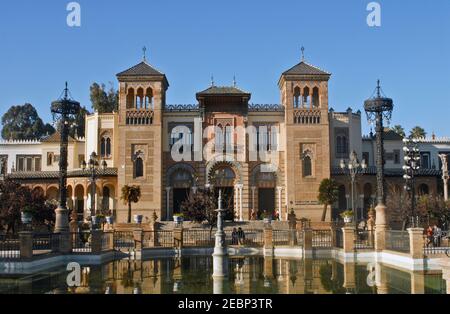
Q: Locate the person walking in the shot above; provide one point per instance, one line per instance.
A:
(241, 236)
(234, 237)
(437, 234)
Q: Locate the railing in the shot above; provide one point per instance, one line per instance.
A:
(365, 240)
(299, 234)
(397, 241)
(124, 240)
(198, 238)
(107, 240)
(251, 237)
(45, 243)
(158, 238)
(437, 245)
(282, 237)
(81, 242)
(321, 239)
(339, 238)
(9, 247)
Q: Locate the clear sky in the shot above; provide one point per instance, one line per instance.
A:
(255, 40)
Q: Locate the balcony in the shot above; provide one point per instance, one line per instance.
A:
(139, 117)
(306, 116)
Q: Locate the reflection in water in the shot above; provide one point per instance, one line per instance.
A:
(246, 275)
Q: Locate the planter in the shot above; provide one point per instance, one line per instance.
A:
(109, 220)
(178, 219)
(348, 219)
(26, 217)
(138, 219)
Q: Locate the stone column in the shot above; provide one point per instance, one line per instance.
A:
(347, 197)
(280, 190)
(268, 240)
(348, 234)
(178, 237)
(239, 188)
(417, 282)
(26, 244)
(380, 228)
(416, 242)
(168, 203)
(253, 197)
(349, 276)
(138, 235)
(361, 205)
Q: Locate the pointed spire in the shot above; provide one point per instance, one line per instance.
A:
(303, 53)
(212, 79)
(144, 53)
(378, 88)
(234, 81)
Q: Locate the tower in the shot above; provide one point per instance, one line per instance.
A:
(142, 95)
(304, 95)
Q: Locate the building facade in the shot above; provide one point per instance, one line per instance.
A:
(263, 158)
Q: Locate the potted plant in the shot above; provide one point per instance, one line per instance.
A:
(138, 219)
(347, 216)
(178, 218)
(27, 215)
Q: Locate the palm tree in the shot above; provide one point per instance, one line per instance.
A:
(417, 132)
(399, 130)
(328, 195)
(130, 194)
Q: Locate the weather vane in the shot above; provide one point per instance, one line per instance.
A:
(303, 53)
(144, 51)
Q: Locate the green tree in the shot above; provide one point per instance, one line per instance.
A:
(328, 195)
(399, 130)
(23, 123)
(417, 132)
(130, 194)
(104, 101)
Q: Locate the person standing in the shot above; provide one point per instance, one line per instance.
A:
(437, 236)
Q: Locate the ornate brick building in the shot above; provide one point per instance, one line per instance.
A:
(262, 157)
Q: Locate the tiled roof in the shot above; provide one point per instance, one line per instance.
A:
(56, 138)
(141, 69)
(223, 90)
(389, 172)
(304, 68)
(109, 172)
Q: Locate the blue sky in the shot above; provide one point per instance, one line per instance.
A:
(255, 40)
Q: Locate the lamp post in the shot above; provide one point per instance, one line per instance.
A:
(64, 108)
(354, 169)
(411, 167)
(445, 176)
(378, 109)
(94, 173)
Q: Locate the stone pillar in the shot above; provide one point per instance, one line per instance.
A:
(168, 203)
(348, 234)
(347, 197)
(110, 237)
(253, 197)
(381, 280)
(349, 276)
(177, 237)
(361, 205)
(65, 243)
(268, 240)
(416, 242)
(96, 241)
(138, 236)
(307, 241)
(26, 244)
(333, 235)
(417, 282)
(280, 190)
(380, 228)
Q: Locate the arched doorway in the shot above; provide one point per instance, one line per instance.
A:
(223, 177)
(265, 182)
(181, 183)
(424, 189)
(52, 193)
(79, 201)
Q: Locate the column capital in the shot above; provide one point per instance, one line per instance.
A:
(168, 188)
(254, 188)
(239, 186)
(280, 188)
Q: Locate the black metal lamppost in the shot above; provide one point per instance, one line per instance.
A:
(94, 171)
(378, 109)
(354, 168)
(411, 168)
(64, 108)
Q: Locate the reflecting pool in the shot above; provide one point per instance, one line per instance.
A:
(255, 275)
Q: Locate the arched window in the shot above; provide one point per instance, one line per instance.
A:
(130, 98)
(149, 99)
(139, 167)
(105, 146)
(307, 166)
(315, 97)
(342, 198)
(140, 98)
(306, 97)
(108, 146)
(105, 199)
(296, 97)
(228, 136)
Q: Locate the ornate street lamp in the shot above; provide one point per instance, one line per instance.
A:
(379, 108)
(411, 167)
(94, 172)
(354, 168)
(445, 176)
(63, 109)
